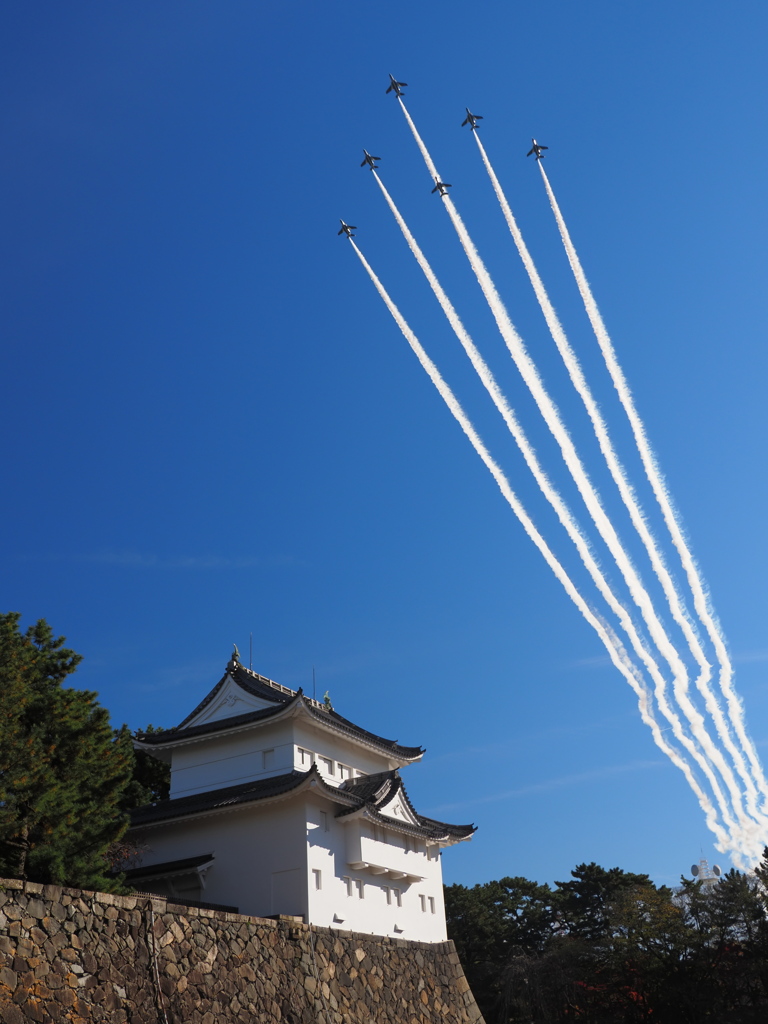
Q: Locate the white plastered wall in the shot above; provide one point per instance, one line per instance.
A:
(253, 850)
(338, 749)
(232, 758)
(372, 905)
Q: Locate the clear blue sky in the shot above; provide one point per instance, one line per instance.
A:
(213, 427)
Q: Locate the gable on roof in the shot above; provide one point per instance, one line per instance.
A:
(398, 806)
(244, 699)
(227, 700)
(238, 691)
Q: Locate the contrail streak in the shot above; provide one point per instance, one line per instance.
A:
(551, 415)
(564, 514)
(656, 479)
(611, 643)
(576, 374)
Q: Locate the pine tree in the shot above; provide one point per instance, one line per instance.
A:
(64, 771)
(151, 776)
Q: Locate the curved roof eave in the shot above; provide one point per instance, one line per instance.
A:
(251, 682)
(233, 798)
(377, 791)
(445, 835)
(331, 721)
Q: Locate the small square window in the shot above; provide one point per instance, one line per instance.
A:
(327, 765)
(318, 877)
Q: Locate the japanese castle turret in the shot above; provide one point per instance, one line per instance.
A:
(278, 805)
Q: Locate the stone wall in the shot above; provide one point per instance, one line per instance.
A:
(68, 955)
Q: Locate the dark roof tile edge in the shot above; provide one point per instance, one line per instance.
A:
(233, 796)
(383, 793)
(222, 724)
(407, 753)
(168, 867)
(266, 689)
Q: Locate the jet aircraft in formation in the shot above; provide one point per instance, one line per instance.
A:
(368, 159)
(395, 86)
(441, 186)
(471, 119)
(346, 229)
(536, 148)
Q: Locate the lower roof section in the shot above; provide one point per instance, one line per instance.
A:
(169, 868)
(230, 797)
(366, 796)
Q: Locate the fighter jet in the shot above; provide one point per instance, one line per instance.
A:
(471, 119)
(397, 87)
(536, 148)
(441, 186)
(368, 159)
(346, 229)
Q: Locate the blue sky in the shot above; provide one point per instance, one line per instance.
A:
(214, 427)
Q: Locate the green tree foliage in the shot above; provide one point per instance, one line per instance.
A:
(64, 772)
(610, 947)
(494, 925)
(151, 776)
(584, 900)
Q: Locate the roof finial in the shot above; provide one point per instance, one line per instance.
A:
(235, 654)
(327, 702)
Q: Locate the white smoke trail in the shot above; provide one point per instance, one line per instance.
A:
(611, 643)
(628, 496)
(656, 479)
(553, 497)
(708, 752)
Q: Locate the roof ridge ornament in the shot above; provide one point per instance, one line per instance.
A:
(234, 661)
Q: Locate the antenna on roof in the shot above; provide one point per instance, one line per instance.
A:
(250, 657)
(314, 685)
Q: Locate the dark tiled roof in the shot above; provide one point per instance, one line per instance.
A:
(374, 791)
(426, 829)
(371, 788)
(281, 697)
(229, 796)
(407, 753)
(368, 793)
(455, 831)
(251, 682)
(171, 735)
(169, 867)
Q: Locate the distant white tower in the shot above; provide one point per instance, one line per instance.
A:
(704, 874)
